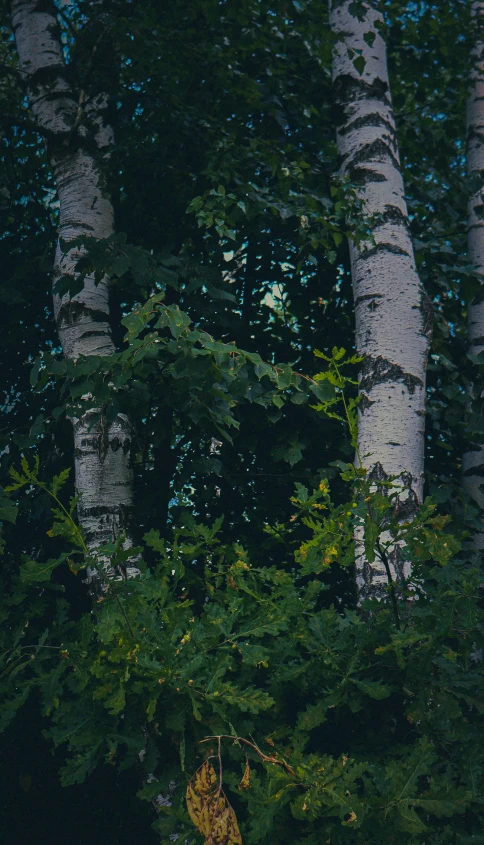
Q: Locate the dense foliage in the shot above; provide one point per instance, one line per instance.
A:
(230, 270)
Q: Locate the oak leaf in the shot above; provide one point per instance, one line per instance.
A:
(209, 809)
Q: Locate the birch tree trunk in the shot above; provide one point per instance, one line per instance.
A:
(393, 315)
(473, 460)
(76, 135)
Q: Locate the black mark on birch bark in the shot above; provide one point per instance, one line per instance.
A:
(473, 226)
(383, 247)
(473, 133)
(378, 370)
(103, 510)
(377, 474)
(479, 297)
(365, 403)
(47, 6)
(46, 77)
(368, 296)
(364, 176)
(372, 119)
(475, 179)
(109, 519)
(393, 214)
(377, 150)
(72, 312)
(348, 88)
(477, 471)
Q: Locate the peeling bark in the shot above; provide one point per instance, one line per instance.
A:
(473, 459)
(76, 136)
(393, 318)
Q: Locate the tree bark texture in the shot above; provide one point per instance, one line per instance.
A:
(393, 315)
(76, 136)
(473, 459)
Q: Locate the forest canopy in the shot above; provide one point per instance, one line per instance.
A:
(242, 438)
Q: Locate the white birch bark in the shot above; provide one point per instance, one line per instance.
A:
(391, 311)
(473, 460)
(75, 135)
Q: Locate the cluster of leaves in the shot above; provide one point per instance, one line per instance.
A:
(371, 719)
(170, 367)
(323, 220)
(166, 356)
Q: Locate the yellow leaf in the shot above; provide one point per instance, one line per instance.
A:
(201, 792)
(245, 782)
(225, 830)
(209, 809)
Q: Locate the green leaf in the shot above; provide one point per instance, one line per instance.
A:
(59, 480)
(8, 511)
(139, 318)
(262, 369)
(34, 373)
(302, 493)
(313, 716)
(408, 820)
(151, 709)
(294, 453)
(372, 532)
(369, 37)
(284, 376)
(375, 689)
(78, 768)
(248, 700)
(34, 572)
(254, 655)
(173, 318)
(359, 64)
(120, 265)
(320, 354)
(324, 392)
(68, 285)
(338, 352)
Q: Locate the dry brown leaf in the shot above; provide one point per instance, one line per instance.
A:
(245, 782)
(201, 795)
(209, 809)
(225, 830)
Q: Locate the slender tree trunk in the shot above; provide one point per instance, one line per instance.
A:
(473, 460)
(393, 316)
(76, 135)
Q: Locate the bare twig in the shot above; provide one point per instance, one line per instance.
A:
(266, 758)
